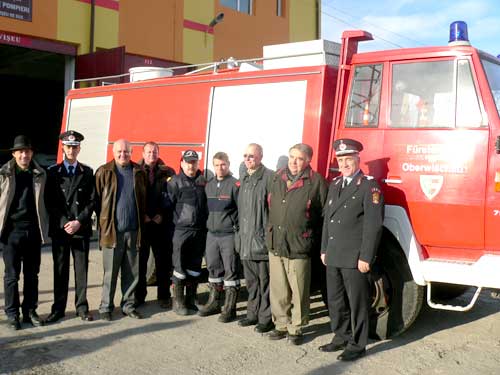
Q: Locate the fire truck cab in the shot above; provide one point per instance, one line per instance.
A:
(429, 122)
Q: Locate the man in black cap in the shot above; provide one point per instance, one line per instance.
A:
(351, 233)
(70, 201)
(186, 196)
(23, 228)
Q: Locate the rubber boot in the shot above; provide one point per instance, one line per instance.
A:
(229, 310)
(179, 300)
(214, 301)
(191, 287)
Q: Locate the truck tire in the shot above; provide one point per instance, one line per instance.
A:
(397, 299)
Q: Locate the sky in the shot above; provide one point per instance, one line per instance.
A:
(413, 23)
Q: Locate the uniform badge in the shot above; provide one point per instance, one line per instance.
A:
(375, 195)
(342, 146)
(71, 137)
(288, 184)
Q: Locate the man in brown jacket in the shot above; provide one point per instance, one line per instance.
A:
(121, 201)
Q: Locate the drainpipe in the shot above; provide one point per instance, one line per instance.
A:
(318, 21)
(92, 25)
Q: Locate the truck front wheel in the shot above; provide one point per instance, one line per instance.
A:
(397, 299)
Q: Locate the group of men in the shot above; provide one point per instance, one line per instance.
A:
(270, 223)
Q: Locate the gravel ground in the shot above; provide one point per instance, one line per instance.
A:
(440, 342)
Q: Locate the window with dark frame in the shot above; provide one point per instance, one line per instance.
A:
(243, 6)
(364, 98)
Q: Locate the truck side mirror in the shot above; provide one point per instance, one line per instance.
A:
(497, 145)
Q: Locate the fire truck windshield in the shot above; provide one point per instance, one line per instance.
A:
(492, 69)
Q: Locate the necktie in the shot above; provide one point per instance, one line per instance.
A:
(342, 187)
(70, 170)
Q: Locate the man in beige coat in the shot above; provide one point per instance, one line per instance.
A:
(23, 228)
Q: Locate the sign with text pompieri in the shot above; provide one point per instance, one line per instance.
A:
(18, 9)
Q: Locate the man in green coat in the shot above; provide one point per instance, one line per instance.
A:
(296, 198)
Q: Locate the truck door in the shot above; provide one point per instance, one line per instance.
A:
(435, 143)
(492, 97)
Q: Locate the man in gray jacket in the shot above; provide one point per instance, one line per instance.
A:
(250, 242)
(23, 228)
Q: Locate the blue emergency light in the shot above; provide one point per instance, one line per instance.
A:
(458, 32)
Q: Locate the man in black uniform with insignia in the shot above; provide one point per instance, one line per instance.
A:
(222, 224)
(186, 196)
(70, 202)
(351, 233)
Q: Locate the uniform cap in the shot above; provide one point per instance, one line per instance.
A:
(190, 155)
(347, 146)
(71, 138)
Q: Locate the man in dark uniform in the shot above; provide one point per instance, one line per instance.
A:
(351, 233)
(23, 228)
(186, 196)
(158, 228)
(222, 260)
(70, 201)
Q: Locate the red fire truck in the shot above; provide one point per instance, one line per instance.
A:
(428, 119)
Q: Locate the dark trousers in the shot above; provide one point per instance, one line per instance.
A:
(21, 246)
(124, 259)
(222, 260)
(348, 305)
(158, 238)
(62, 246)
(257, 282)
(188, 247)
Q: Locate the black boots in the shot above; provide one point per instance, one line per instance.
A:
(191, 287)
(179, 305)
(214, 301)
(229, 311)
(185, 304)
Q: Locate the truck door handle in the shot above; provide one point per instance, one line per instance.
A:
(392, 180)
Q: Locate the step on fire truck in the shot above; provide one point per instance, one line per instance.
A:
(428, 119)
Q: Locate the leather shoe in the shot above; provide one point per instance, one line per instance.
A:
(105, 316)
(349, 355)
(133, 314)
(54, 316)
(277, 335)
(333, 347)
(85, 316)
(245, 322)
(165, 303)
(14, 324)
(33, 318)
(263, 328)
(295, 339)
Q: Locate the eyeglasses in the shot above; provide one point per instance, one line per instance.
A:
(248, 156)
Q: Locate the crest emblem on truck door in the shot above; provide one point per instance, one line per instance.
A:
(431, 185)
